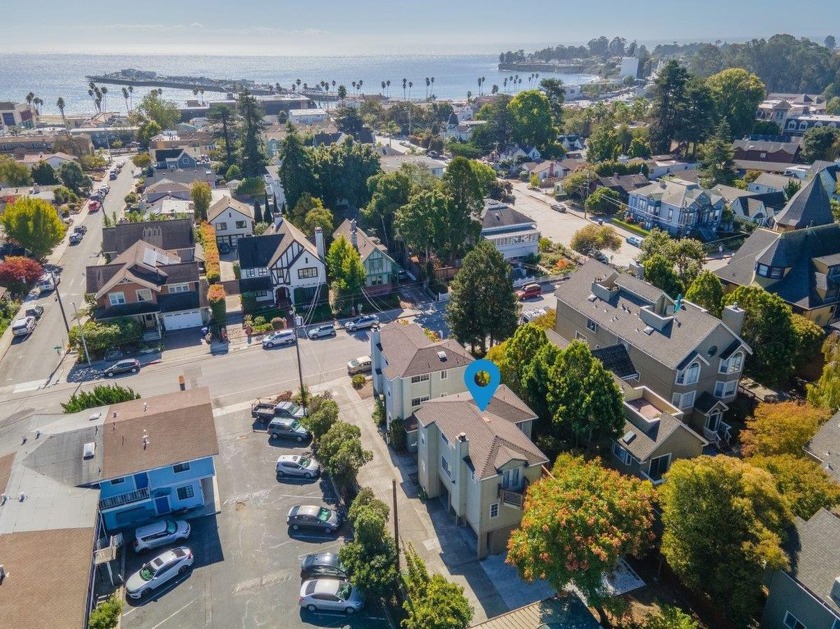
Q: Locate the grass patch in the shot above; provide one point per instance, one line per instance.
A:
(641, 231)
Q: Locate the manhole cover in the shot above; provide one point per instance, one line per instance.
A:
(240, 505)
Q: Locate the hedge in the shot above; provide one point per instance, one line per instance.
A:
(630, 227)
(218, 306)
(212, 268)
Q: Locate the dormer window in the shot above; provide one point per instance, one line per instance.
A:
(689, 375)
(733, 364)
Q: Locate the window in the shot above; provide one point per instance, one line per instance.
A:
(116, 299)
(262, 272)
(421, 378)
(724, 390)
(183, 287)
(494, 510)
(763, 270)
(221, 226)
(591, 325)
(733, 364)
(185, 492)
(181, 467)
(444, 374)
(445, 465)
(689, 375)
(659, 466)
(241, 225)
(262, 293)
(144, 294)
(713, 421)
(792, 622)
(579, 336)
(117, 481)
(307, 273)
(510, 478)
(417, 401)
(444, 439)
(776, 272)
(685, 400)
(621, 454)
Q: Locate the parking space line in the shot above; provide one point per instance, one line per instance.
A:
(174, 613)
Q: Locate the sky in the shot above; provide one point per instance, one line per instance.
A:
(352, 27)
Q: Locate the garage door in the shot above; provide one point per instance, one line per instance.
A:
(182, 320)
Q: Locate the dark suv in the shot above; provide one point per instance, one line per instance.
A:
(129, 365)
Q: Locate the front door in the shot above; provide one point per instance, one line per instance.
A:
(162, 505)
(659, 466)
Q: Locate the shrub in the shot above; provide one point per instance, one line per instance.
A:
(358, 381)
(218, 306)
(237, 270)
(16, 268)
(378, 412)
(397, 434)
(102, 395)
(107, 614)
(104, 336)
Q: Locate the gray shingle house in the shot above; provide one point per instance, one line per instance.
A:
(678, 207)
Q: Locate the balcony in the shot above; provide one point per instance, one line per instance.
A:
(512, 496)
(722, 434)
(124, 499)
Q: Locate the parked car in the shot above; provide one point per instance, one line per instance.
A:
(283, 337)
(600, 221)
(48, 282)
(530, 315)
(333, 595)
(129, 365)
(634, 240)
(362, 323)
(288, 410)
(160, 534)
(558, 207)
(600, 256)
(296, 465)
(23, 326)
(283, 427)
(224, 247)
(112, 175)
(313, 517)
(362, 364)
(80, 229)
(93, 206)
(321, 331)
(75, 238)
(529, 291)
(34, 311)
(322, 565)
(160, 570)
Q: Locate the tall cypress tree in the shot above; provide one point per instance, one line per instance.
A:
(258, 215)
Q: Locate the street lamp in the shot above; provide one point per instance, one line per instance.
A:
(82, 333)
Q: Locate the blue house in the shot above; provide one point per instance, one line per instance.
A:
(173, 159)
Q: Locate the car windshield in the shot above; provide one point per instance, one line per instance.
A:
(354, 363)
(146, 572)
(295, 425)
(324, 514)
(171, 527)
(303, 462)
(344, 591)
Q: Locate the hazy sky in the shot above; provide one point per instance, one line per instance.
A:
(385, 26)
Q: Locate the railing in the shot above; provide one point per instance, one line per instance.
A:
(512, 497)
(655, 481)
(723, 433)
(124, 499)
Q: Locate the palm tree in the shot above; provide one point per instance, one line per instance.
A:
(505, 84)
(125, 96)
(360, 85)
(469, 95)
(410, 85)
(38, 102)
(495, 89)
(105, 98)
(404, 84)
(29, 98)
(60, 104)
(428, 83)
(131, 92)
(98, 103)
(353, 83)
(92, 97)
(433, 86)
(388, 87)
(298, 82)
(383, 88)
(201, 91)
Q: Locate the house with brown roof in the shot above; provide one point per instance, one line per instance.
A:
(167, 188)
(380, 268)
(409, 368)
(681, 352)
(231, 219)
(69, 482)
(151, 285)
(479, 463)
(171, 235)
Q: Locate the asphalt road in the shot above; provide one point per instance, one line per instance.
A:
(30, 361)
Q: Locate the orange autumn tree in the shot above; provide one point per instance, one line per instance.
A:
(578, 523)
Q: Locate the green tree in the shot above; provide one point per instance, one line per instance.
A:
(707, 292)
(388, 193)
(718, 158)
(463, 209)
(737, 95)
(482, 303)
(556, 94)
(318, 217)
(432, 601)
(686, 254)
(767, 127)
(201, 194)
(536, 382)
(603, 201)
(802, 481)
(783, 428)
(533, 124)
(221, 114)
(321, 418)
(342, 454)
(591, 238)
(43, 174)
(258, 213)
(142, 160)
(342, 171)
(101, 395)
(146, 132)
(584, 399)
(233, 172)
(820, 143)
(519, 352)
(345, 268)
(305, 204)
(71, 176)
(809, 337)
(768, 329)
(162, 112)
(577, 183)
(723, 525)
(253, 151)
(603, 144)
(33, 224)
(578, 523)
(349, 120)
(660, 272)
(499, 129)
(639, 148)
(826, 392)
(668, 106)
(669, 617)
(420, 222)
(106, 615)
(295, 168)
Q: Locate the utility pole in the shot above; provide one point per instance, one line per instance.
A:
(396, 520)
(82, 333)
(60, 303)
(300, 369)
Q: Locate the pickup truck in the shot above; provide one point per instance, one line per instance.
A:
(263, 411)
(266, 409)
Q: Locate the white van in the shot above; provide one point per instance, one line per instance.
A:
(23, 326)
(47, 282)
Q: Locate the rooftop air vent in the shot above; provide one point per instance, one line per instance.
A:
(628, 437)
(94, 416)
(89, 450)
(648, 330)
(592, 297)
(442, 355)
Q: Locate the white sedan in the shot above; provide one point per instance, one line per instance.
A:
(159, 571)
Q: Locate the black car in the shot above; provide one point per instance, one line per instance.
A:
(129, 365)
(319, 565)
(34, 311)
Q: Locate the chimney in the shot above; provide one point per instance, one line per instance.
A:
(463, 445)
(278, 220)
(319, 242)
(354, 240)
(733, 318)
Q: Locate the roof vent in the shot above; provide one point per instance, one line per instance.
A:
(94, 417)
(628, 437)
(648, 330)
(89, 450)
(592, 297)
(442, 355)
(145, 439)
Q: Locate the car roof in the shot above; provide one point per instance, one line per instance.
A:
(327, 586)
(363, 359)
(308, 510)
(323, 559)
(151, 529)
(288, 457)
(285, 405)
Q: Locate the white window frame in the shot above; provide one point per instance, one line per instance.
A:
(444, 374)
(679, 399)
(423, 377)
(494, 510)
(143, 294)
(417, 401)
(683, 377)
(241, 224)
(622, 453)
(179, 287)
(792, 622)
(221, 226)
(725, 388)
(731, 365)
(117, 298)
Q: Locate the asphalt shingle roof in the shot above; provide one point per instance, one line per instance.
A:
(815, 555)
(503, 216)
(566, 611)
(228, 203)
(808, 207)
(409, 352)
(825, 446)
(364, 243)
(616, 359)
(169, 235)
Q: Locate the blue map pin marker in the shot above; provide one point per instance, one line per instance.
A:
(482, 394)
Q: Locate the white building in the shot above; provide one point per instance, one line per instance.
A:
(231, 219)
(629, 67)
(512, 233)
(307, 116)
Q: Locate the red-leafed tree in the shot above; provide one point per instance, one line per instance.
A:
(18, 273)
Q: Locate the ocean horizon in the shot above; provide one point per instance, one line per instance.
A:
(50, 76)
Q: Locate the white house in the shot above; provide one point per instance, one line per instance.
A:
(282, 266)
(56, 160)
(231, 219)
(307, 116)
(392, 163)
(629, 67)
(512, 233)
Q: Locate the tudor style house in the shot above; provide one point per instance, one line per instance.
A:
(282, 266)
(798, 260)
(479, 463)
(678, 207)
(680, 351)
(512, 233)
(380, 268)
(231, 219)
(409, 369)
(149, 284)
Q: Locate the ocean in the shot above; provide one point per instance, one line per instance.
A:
(50, 76)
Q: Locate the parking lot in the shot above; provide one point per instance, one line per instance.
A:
(247, 566)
